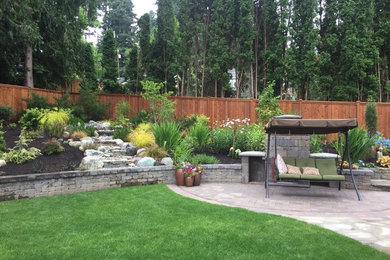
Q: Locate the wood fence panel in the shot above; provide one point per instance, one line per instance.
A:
(218, 109)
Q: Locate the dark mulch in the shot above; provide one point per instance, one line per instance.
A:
(64, 161)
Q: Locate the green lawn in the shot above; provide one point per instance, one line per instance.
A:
(152, 222)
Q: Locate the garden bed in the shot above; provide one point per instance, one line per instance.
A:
(67, 160)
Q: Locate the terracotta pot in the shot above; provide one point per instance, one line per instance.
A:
(189, 181)
(179, 178)
(197, 179)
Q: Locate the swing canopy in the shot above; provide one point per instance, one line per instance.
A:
(298, 126)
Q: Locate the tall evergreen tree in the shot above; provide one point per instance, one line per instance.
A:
(109, 63)
(144, 44)
(329, 51)
(165, 41)
(119, 17)
(304, 39)
(132, 71)
(358, 51)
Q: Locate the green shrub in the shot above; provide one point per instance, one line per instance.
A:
(52, 146)
(200, 133)
(203, 159)
(37, 101)
(167, 135)
(183, 151)
(161, 108)
(55, 121)
(122, 109)
(316, 143)
(359, 144)
(121, 133)
(268, 107)
(91, 106)
(142, 116)
(64, 101)
(255, 138)
(371, 118)
(3, 145)
(186, 122)
(5, 113)
(31, 118)
(20, 153)
(221, 139)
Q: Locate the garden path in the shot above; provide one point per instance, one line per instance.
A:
(367, 221)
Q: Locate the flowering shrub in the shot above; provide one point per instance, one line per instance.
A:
(381, 140)
(198, 170)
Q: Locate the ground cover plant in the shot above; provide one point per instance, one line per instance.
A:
(152, 222)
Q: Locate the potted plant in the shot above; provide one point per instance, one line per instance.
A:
(189, 175)
(179, 167)
(198, 170)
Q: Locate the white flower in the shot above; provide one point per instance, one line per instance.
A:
(231, 149)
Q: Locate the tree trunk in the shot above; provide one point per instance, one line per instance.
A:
(251, 82)
(183, 82)
(196, 63)
(188, 80)
(215, 88)
(28, 78)
(205, 39)
(222, 92)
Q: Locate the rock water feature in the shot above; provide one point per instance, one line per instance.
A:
(102, 151)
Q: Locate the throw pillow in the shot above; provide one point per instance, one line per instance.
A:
(293, 169)
(282, 168)
(310, 171)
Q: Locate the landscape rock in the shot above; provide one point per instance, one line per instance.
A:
(85, 141)
(92, 163)
(75, 143)
(2, 163)
(146, 161)
(141, 152)
(104, 148)
(66, 134)
(92, 152)
(167, 161)
(131, 150)
(118, 141)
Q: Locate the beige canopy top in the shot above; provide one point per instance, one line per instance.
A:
(309, 126)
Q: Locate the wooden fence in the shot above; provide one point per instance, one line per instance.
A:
(218, 109)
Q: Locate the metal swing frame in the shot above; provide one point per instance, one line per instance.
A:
(306, 130)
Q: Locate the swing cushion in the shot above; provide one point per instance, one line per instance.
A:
(326, 166)
(305, 162)
(333, 177)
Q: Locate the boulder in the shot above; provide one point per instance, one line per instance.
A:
(2, 163)
(104, 148)
(85, 141)
(131, 150)
(92, 152)
(118, 141)
(92, 163)
(75, 143)
(146, 161)
(167, 161)
(141, 152)
(66, 134)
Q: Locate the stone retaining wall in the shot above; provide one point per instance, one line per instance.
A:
(48, 184)
(381, 173)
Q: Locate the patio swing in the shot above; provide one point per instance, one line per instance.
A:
(295, 125)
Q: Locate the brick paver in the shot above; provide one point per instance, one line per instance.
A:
(367, 221)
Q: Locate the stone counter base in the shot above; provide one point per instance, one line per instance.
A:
(48, 184)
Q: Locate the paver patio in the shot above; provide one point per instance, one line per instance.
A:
(367, 221)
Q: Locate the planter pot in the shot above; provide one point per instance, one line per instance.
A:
(179, 178)
(189, 181)
(197, 179)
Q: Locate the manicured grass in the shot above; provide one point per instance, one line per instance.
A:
(152, 222)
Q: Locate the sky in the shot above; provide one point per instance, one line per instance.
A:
(143, 6)
(140, 7)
